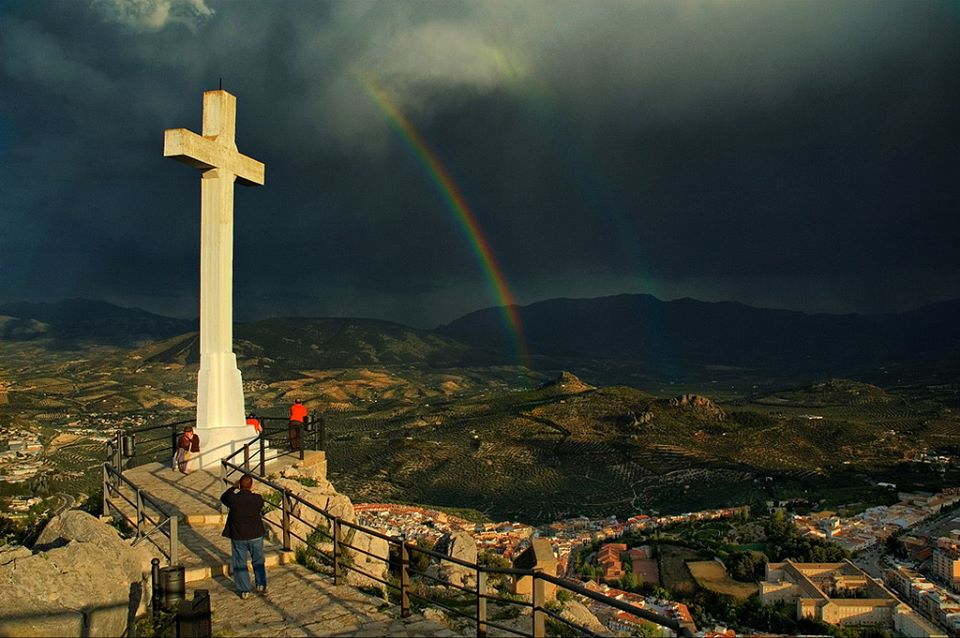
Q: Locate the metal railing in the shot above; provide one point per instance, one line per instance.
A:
(131, 447)
(274, 442)
(337, 533)
(146, 524)
(135, 446)
(312, 431)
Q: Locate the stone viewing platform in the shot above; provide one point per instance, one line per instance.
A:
(300, 602)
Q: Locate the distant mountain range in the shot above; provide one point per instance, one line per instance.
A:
(612, 338)
(689, 338)
(307, 343)
(71, 322)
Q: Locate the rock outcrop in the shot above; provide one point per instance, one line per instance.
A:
(632, 420)
(304, 520)
(83, 580)
(567, 383)
(578, 613)
(460, 545)
(700, 404)
(375, 565)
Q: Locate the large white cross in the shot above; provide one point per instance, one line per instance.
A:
(220, 411)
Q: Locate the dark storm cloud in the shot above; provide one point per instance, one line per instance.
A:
(799, 154)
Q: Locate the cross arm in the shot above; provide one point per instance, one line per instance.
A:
(204, 153)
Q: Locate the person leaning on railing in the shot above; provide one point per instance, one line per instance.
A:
(244, 528)
(188, 445)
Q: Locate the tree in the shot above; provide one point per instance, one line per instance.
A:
(629, 582)
(779, 526)
(746, 567)
(646, 630)
(662, 593)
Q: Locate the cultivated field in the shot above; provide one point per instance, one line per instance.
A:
(711, 575)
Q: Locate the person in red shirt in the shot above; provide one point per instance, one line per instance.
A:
(255, 422)
(298, 413)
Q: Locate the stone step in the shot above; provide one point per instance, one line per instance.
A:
(272, 558)
(202, 520)
(203, 551)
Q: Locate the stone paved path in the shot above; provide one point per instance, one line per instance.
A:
(302, 603)
(299, 603)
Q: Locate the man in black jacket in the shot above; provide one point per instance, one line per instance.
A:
(245, 530)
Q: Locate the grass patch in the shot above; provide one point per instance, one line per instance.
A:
(711, 575)
(750, 547)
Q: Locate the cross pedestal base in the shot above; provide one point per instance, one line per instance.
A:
(218, 443)
(221, 422)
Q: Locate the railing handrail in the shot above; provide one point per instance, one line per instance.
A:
(239, 449)
(146, 495)
(405, 545)
(167, 517)
(147, 428)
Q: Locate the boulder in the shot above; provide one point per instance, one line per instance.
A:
(9, 553)
(314, 468)
(435, 615)
(84, 581)
(578, 613)
(375, 565)
(305, 519)
(76, 526)
(460, 545)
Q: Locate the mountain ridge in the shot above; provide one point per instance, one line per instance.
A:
(638, 335)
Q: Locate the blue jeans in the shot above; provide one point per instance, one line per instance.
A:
(239, 551)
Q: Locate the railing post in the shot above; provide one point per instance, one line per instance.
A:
(303, 443)
(263, 454)
(174, 540)
(322, 433)
(139, 513)
(223, 479)
(285, 502)
(173, 445)
(404, 580)
(106, 489)
(539, 598)
(481, 603)
(117, 453)
(336, 551)
(246, 457)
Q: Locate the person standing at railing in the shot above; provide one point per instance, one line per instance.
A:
(188, 446)
(245, 530)
(255, 422)
(298, 412)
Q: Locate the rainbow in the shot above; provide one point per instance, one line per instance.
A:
(459, 206)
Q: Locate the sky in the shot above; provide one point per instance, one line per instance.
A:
(799, 155)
